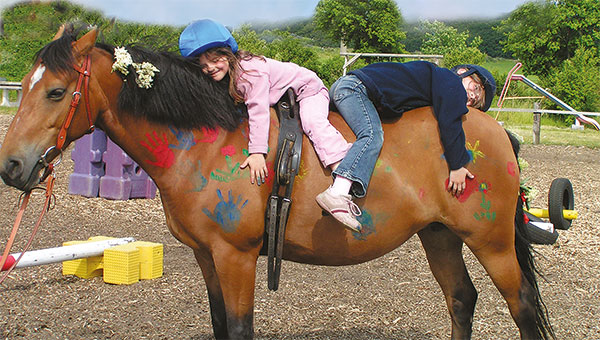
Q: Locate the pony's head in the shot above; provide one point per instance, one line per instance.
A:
(41, 127)
(71, 85)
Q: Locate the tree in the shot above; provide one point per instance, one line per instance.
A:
(543, 34)
(442, 39)
(576, 80)
(486, 29)
(364, 25)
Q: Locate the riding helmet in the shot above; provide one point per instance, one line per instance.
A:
(489, 84)
(202, 35)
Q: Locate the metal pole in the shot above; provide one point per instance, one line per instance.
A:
(66, 253)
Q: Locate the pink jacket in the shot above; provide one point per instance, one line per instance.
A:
(262, 84)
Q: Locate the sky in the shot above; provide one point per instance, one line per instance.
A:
(233, 13)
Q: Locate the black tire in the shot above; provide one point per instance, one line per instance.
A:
(560, 197)
(537, 235)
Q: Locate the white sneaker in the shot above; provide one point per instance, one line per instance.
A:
(341, 208)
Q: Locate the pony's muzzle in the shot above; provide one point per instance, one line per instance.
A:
(21, 173)
(11, 171)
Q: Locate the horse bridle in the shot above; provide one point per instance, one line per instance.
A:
(83, 81)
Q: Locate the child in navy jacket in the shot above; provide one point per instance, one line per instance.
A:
(387, 90)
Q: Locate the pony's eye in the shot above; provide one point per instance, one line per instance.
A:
(56, 94)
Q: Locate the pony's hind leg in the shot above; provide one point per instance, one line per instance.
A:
(444, 253)
(508, 260)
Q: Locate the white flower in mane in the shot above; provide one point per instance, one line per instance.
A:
(122, 60)
(145, 70)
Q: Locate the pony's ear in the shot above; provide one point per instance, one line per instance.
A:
(60, 32)
(84, 45)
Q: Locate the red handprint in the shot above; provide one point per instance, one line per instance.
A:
(160, 148)
(210, 135)
(512, 168)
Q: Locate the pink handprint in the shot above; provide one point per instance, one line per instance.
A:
(160, 149)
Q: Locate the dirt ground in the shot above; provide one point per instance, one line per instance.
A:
(393, 297)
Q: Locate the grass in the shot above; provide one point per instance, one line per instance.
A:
(500, 65)
(7, 110)
(552, 131)
(553, 135)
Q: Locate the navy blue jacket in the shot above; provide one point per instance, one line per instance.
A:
(398, 87)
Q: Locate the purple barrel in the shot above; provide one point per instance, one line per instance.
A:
(88, 167)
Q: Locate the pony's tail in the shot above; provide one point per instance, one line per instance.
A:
(527, 262)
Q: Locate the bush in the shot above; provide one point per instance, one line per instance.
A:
(292, 49)
(29, 26)
(331, 69)
(248, 40)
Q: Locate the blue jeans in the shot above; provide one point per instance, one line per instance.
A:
(350, 96)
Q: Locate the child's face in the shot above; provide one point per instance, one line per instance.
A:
(474, 92)
(214, 65)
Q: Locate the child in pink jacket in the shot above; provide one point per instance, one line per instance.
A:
(260, 82)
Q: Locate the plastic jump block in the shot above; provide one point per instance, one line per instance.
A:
(151, 259)
(101, 168)
(123, 178)
(122, 264)
(88, 166)
(131, 262)
(88, 267)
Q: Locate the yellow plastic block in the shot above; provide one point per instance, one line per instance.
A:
(87, 267)
(122, 264)
(151, 259)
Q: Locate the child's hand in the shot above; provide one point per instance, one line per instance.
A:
(457, 181)
(258, 167)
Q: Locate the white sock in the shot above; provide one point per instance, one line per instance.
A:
(341, 185)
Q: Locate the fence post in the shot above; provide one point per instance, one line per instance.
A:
(537, 120)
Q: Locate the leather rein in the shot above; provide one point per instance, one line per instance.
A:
(82, 84)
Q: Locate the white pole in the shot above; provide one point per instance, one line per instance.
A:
(66, 253)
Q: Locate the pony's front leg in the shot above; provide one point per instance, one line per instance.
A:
(215, 295)
(230, 278)
(236, 272)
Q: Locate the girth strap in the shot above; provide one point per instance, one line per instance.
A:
(289, 152)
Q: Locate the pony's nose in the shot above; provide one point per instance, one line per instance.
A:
(13, 169)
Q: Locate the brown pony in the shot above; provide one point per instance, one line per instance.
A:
(190, 139)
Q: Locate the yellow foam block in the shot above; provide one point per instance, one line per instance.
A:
(151, 259)
(122, 264)
(87, 267)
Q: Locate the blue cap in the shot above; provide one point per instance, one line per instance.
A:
(489, 84)
(202, 35)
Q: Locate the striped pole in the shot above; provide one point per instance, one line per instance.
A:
(66, 253)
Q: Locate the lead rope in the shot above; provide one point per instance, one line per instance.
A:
(49, 187)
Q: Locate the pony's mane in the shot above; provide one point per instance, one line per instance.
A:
(181, 94)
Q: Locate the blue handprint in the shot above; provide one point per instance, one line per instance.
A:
(185, 138)
(369, 220)
(198, 179)
(227, 214)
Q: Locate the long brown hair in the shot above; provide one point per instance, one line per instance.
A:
(480, 102)
(235, 68)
